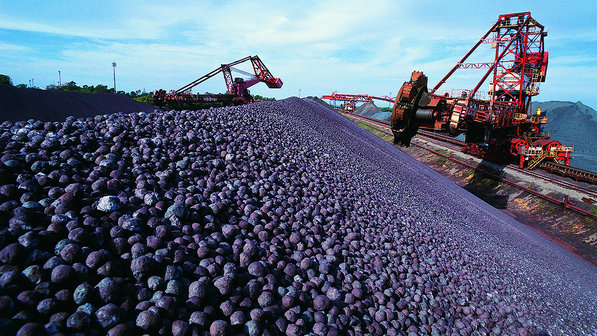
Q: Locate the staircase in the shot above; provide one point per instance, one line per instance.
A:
(537, 160)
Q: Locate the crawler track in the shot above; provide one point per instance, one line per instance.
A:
(384, 126)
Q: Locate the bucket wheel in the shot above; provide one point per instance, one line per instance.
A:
(404, 126)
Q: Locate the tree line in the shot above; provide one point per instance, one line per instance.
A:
(72, 86)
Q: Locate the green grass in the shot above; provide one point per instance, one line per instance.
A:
(468, 172)
(441, 160)
(375, 131)
(550, 210)
(365, 126)
(590, 221)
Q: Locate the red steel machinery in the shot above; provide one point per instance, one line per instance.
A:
(498, 123)
(237, 88)
(350, 100)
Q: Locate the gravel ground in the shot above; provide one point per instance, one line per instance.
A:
(272, 218)
(534, 183)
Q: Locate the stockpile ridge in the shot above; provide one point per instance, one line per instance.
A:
(275, 218)
(52, 105)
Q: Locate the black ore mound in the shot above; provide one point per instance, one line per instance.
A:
(274, 218)
(48, 105)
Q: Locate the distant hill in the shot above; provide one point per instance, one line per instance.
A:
(51, 105)
(573, 124)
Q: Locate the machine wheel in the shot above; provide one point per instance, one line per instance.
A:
(404, 124)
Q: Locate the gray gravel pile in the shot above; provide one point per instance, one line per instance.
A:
(371, 110)
(276, 218)
(367, 109)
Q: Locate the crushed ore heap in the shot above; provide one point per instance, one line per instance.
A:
(276, 218)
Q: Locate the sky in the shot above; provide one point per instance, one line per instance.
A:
(315, 47)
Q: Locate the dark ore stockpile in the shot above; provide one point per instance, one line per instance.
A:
(276, 218)
(51, 105)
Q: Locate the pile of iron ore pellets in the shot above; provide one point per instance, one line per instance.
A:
(275, 218)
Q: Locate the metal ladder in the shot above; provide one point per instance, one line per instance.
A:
(537, 160)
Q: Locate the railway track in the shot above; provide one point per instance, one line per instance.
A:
(556, 181)
(457, 145)
(552, 167)
(384, 126)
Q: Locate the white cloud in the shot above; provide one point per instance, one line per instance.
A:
(318, 47)
(69, 30)
(9, 48)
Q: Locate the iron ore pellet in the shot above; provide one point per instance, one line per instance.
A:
(265, 219)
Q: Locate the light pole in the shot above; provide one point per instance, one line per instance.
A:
(334, 99)
(59, 80)
(299, 93)
(114, 68)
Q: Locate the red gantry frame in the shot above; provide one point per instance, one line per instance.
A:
(237, 88)
(520, 65)
(497, 124)
(350, 100)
